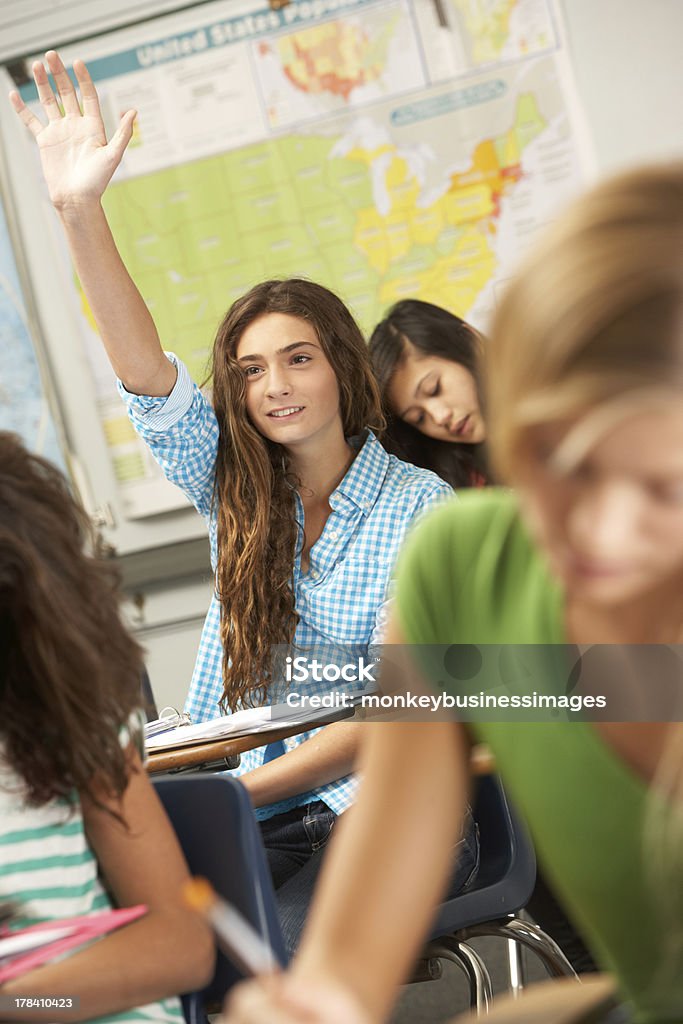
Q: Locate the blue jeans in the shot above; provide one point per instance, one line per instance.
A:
(295, 843)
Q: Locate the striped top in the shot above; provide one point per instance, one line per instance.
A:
(47, 866)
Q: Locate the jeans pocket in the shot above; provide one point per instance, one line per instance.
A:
(318, 823)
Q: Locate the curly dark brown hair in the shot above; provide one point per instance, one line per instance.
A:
(69, 671)
(254, 497)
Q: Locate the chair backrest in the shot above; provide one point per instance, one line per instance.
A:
(507, 864)
(214, 821)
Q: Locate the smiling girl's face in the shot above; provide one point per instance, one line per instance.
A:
(292, 392)
(436, 396)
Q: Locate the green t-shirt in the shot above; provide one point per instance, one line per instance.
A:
(471, 575)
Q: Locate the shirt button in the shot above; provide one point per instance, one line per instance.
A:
(315, 574)
(333, 534)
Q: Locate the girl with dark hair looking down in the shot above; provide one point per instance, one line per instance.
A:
(429, 365)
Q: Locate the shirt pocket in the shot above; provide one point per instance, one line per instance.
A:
(343, 607)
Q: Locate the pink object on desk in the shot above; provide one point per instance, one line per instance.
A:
(65, 934)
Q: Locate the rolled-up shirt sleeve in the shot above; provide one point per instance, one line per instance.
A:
(181, 431)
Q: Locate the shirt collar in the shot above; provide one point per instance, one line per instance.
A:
(363, 482)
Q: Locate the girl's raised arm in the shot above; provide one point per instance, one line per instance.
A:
(78, 163)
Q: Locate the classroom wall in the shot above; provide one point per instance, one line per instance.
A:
(630, 79)
(629, 76)
(168, 624)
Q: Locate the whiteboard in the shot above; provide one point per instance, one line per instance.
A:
(360, 142)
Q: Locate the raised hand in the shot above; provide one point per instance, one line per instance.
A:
(77, 160)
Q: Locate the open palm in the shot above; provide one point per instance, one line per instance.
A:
(77, 160)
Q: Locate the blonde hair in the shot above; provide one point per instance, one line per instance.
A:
(590, 330)
(595, 315)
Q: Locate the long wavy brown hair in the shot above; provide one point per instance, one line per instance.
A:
(69, 671)
(254, 489)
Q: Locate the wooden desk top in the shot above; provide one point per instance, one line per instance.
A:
(482, 761)
(202, 753)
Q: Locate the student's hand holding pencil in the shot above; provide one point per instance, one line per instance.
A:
(289, 999)
(276, 997)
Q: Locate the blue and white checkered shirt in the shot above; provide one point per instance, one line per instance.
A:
(342, 599)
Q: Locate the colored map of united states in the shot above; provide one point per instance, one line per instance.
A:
(334, 58)
(352, 216)
(331, 66)
(442, 250)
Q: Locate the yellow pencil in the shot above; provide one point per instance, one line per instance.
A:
(236, 937)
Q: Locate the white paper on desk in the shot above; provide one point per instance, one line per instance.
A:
(241, 723)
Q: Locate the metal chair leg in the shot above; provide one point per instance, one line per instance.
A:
(529, 935)
(516, 968)
(452, 948)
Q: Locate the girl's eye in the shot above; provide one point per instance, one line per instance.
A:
(251, 371)
(434, 390)
(300, 357)
(416, 421)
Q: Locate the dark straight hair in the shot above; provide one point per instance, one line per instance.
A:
(434, 331)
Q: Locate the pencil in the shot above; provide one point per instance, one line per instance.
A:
(236, 937)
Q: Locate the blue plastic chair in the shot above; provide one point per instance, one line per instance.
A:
(214, 821)
(501, 889)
